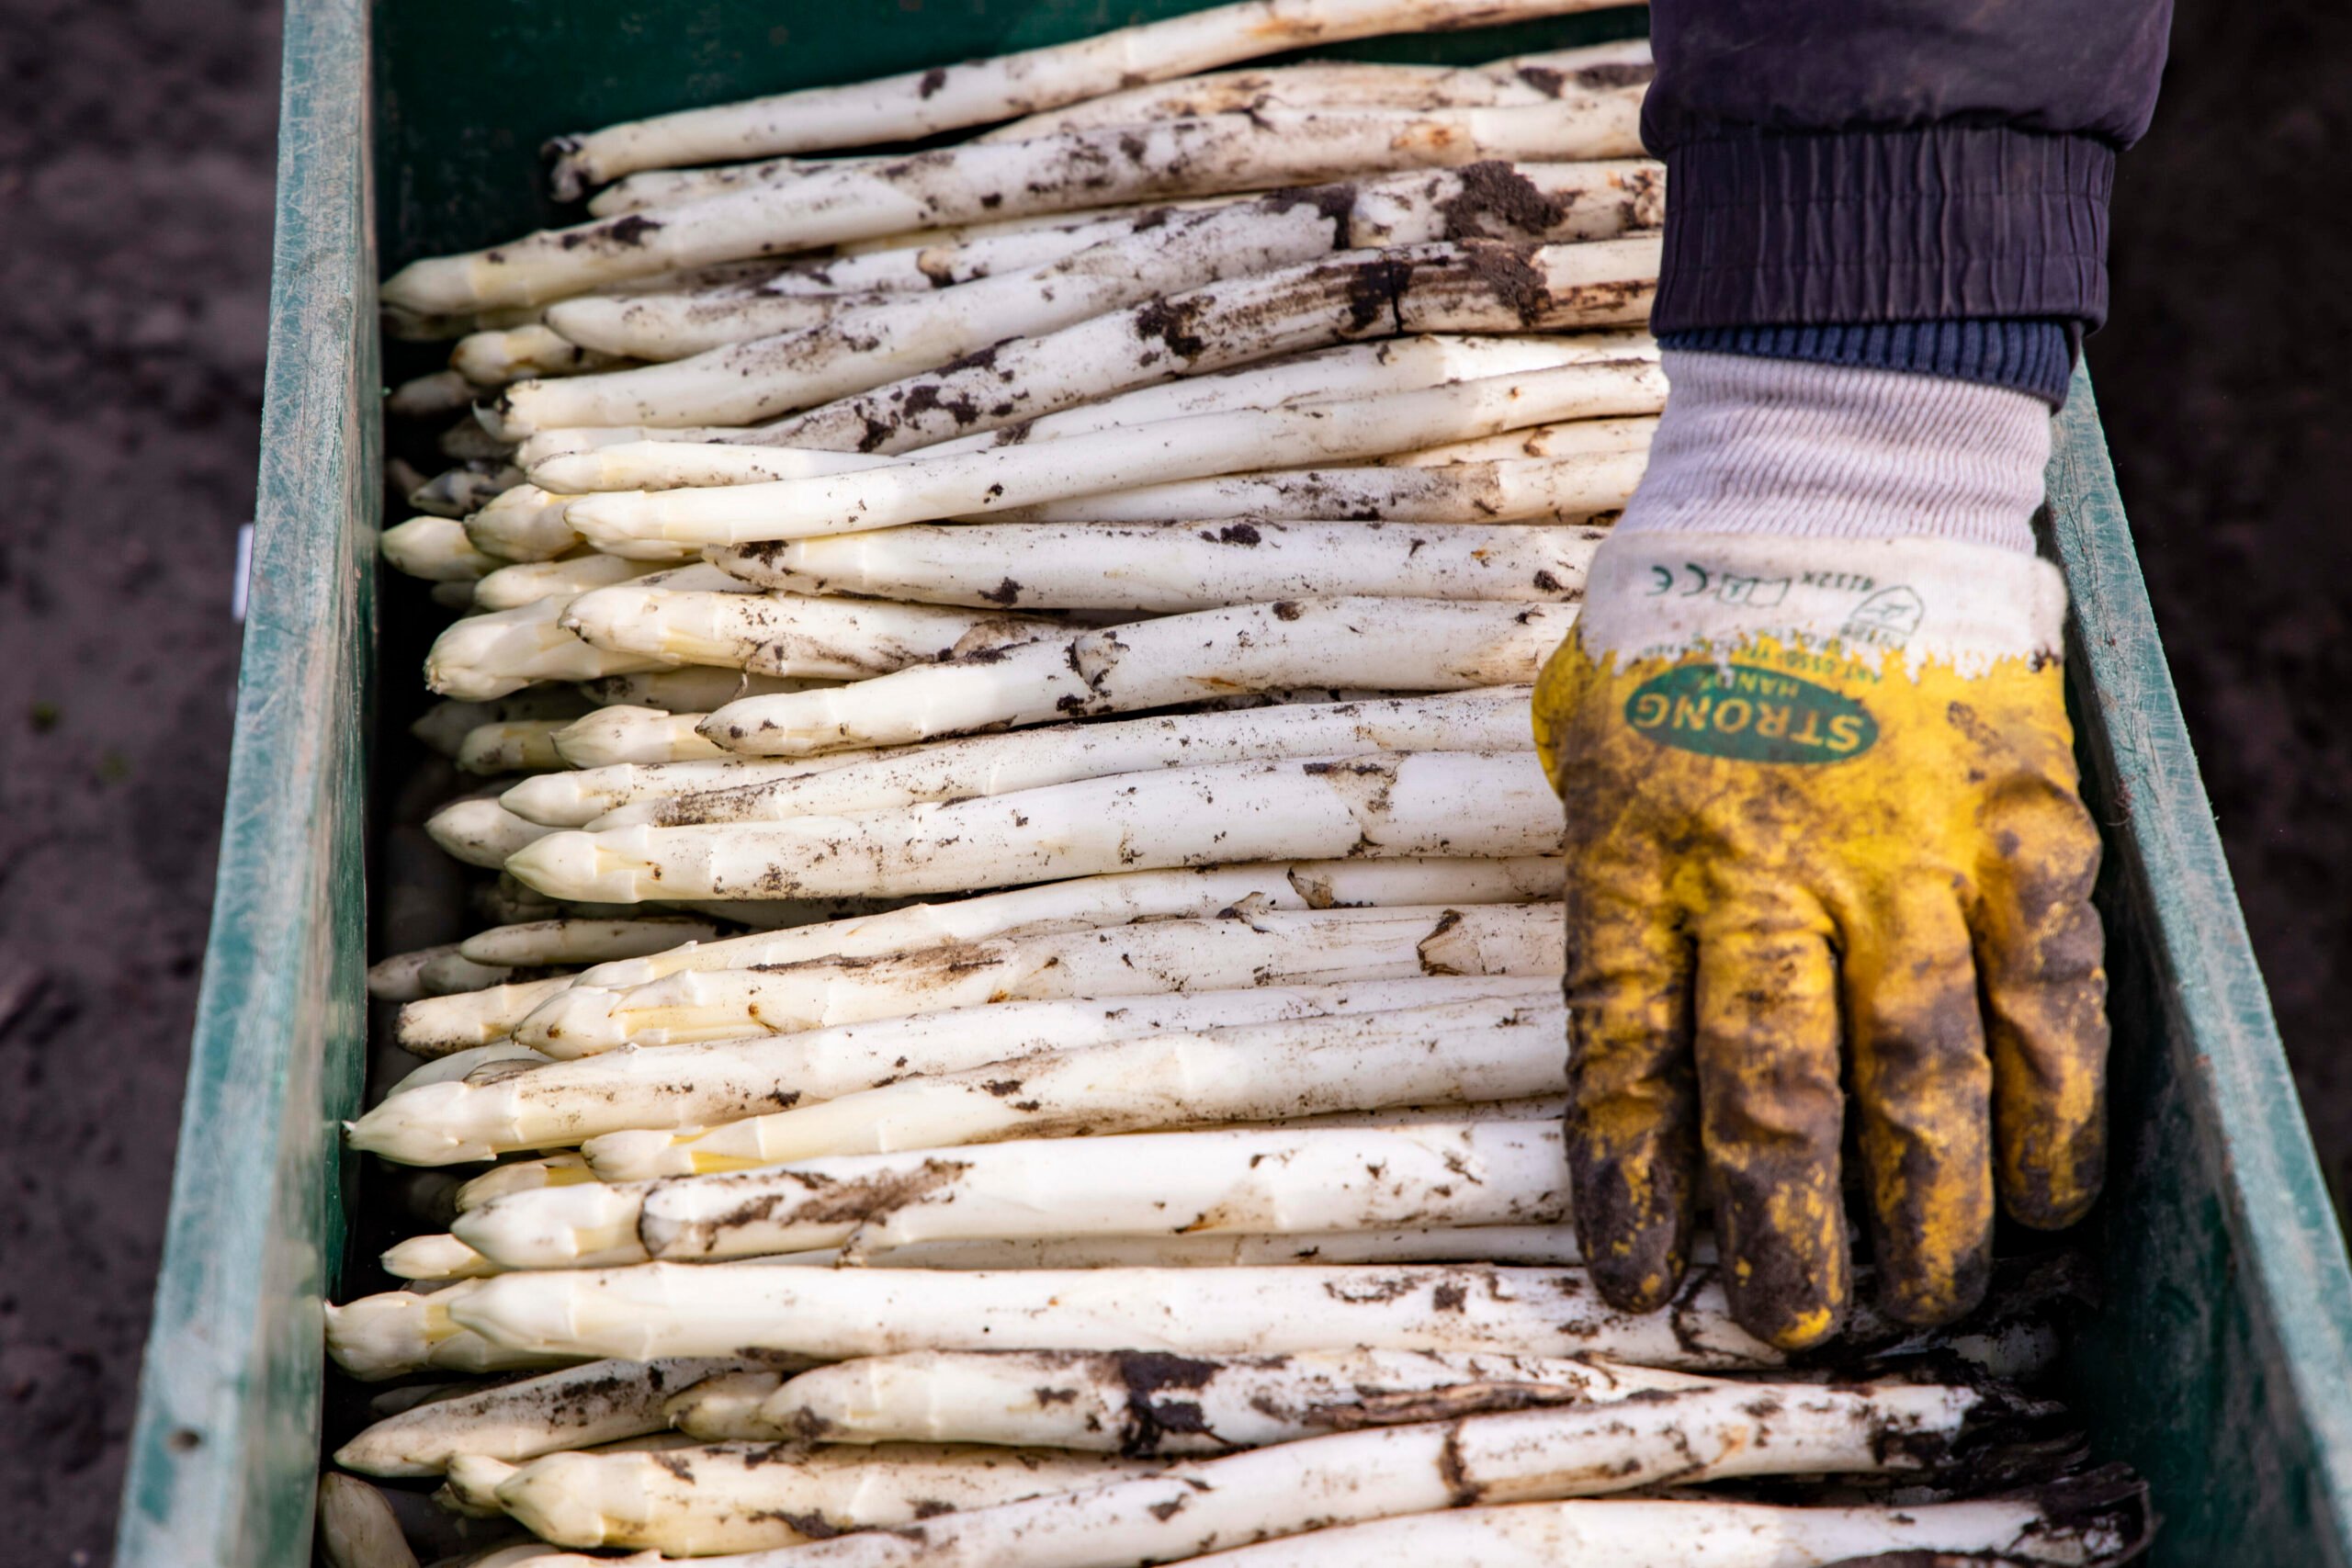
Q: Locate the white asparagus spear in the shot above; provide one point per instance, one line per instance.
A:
(1265, 1182)
(456, 1117)
(1145, 1401)
(1680, 1437)
(1250, 947)
(358, 1528)
(470, 1487)
(1571, 438)
(525, 582)
(510, 1177)
(470, 1484)
(1169, 569)
(523, 523)
(640, 1154)
(1394, 644)
(494, 358)
(1478, 288)
(444, 726)
(2019, 1531)
(651, 328)
(444, 1257)
(438, 549)
(460, 1064)
(1324, 84)
(399, 1332)
(693, 689)
(429, 396)
(655, 462)
(459, 491)
(921, 104)
(575, 1407)
(1494, 1049)
(1476, 804)
(1352, 370)
(575, 798)
(621, 735)
(1321, 83)
(1482, 719)
(676, 1309)
(436, 1026)
(1541, 1245)
(570, 1169)
(743, 382)
(956, 251)
(489, 655)
(919, 489)
(515, 745)
(1436, 495)
(808, 208)
(480, 832)
(791, 635)
(433, 1256)
(692, 1502)
(401, 977)
(451, 971)
(542, 943)
(1596, 126)
(719, 277)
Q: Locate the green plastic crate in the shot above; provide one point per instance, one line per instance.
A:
(2221, 1364)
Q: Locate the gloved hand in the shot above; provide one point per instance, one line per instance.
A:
(1824, 841)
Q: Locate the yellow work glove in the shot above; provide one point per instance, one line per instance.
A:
(1823, 842)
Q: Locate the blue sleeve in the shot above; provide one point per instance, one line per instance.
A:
(1917, 182)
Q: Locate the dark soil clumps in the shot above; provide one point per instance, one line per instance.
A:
(1497, 201)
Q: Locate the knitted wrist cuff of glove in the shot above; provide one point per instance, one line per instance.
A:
(1754, 445)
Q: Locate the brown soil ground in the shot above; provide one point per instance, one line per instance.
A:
(136, 151)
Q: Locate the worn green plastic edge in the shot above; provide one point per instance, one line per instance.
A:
(2285, 1259)
(227, 1431)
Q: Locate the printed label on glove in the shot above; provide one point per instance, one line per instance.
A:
(1754, 714)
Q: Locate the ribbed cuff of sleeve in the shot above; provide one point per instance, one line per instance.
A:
(1943, 222)
(2033, 357)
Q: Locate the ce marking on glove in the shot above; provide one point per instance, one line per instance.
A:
(1695, 581)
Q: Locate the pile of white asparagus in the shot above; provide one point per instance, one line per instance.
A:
(1022, 1025)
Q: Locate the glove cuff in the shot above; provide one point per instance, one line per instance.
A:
(1912, 601)
(1792, 447)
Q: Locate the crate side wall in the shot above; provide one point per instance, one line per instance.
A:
(224, 1444)
(2221, 1363)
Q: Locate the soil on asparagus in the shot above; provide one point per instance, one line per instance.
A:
(136, 162)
